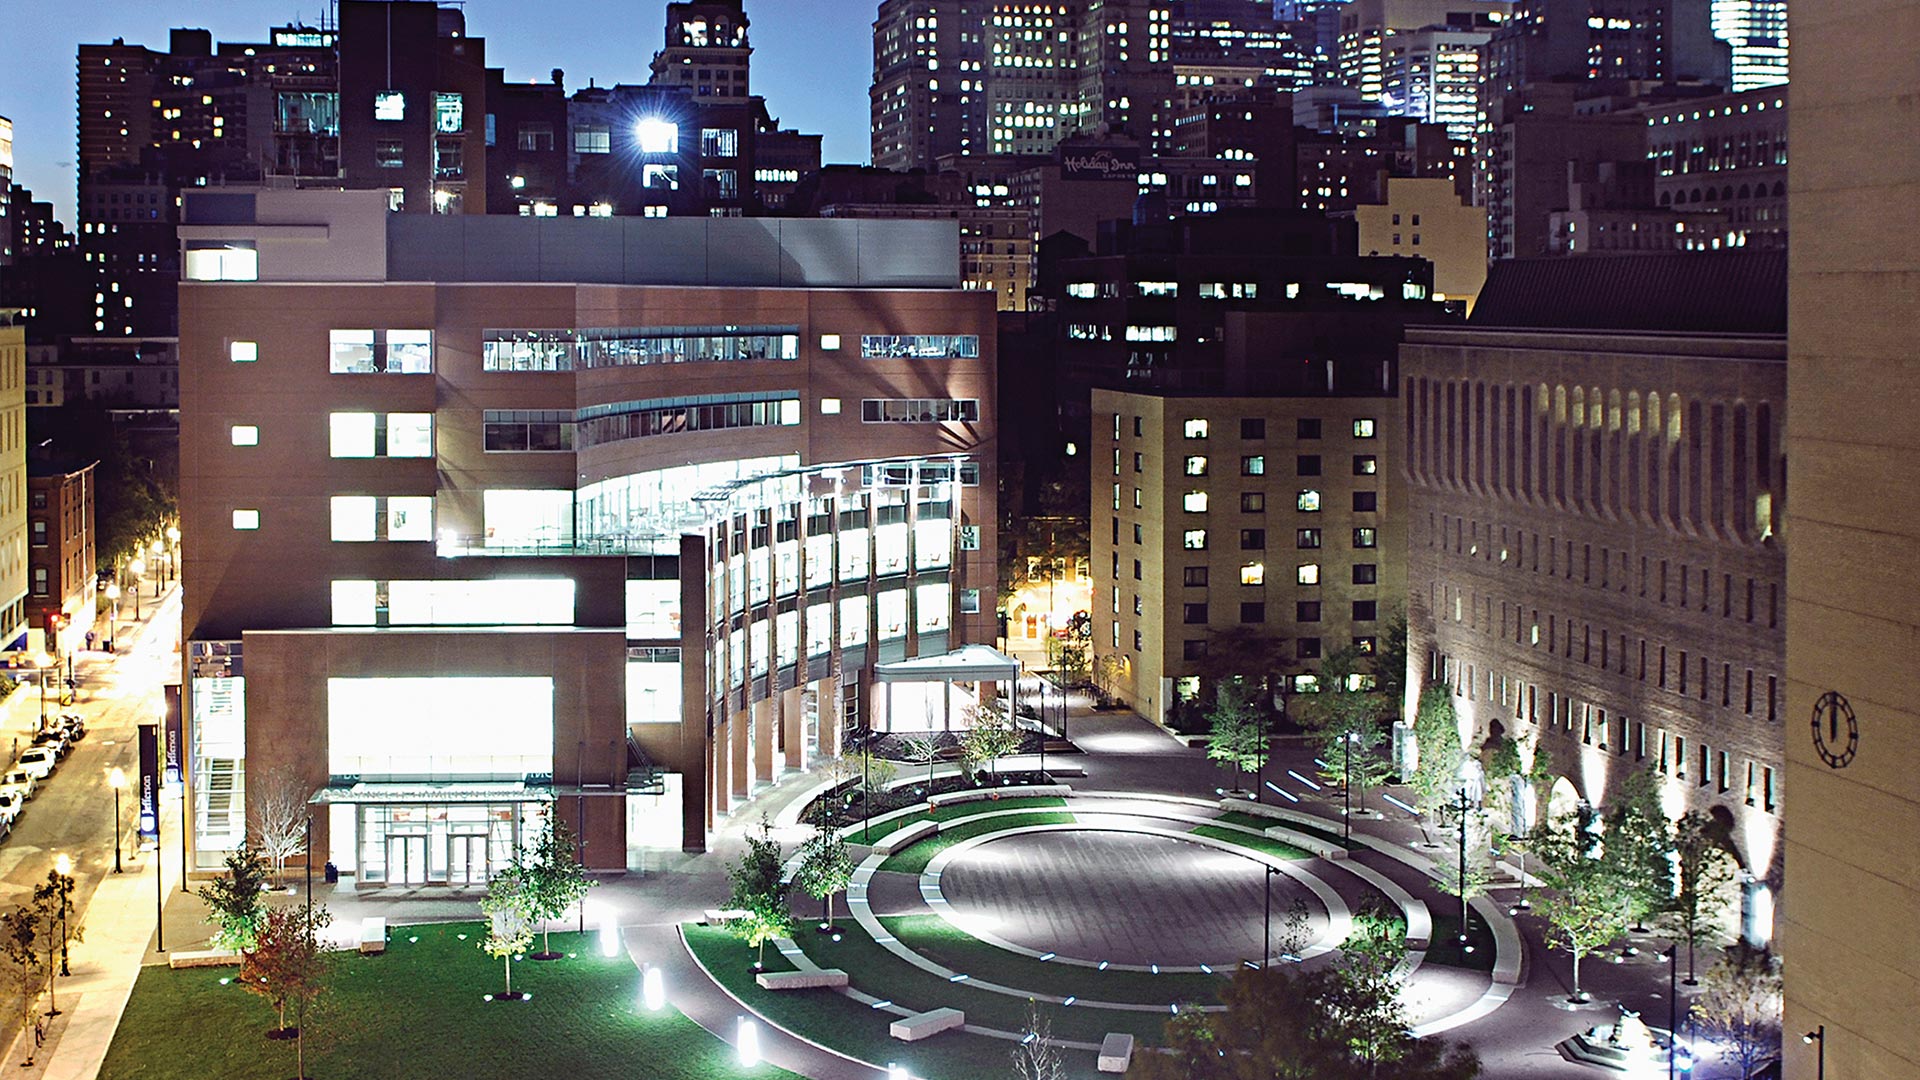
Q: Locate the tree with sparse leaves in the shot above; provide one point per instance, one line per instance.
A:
(288, 967)
(1035, 1057)
(760, 891)
(825, 868)
(1583, 902)
(279, 810)
(555, 880)
(1237, 732)
(509, 907)
(1739, 1005)
(921, 750)
(990, 736)
(236, 901)
(21, 931)
(1345, 718)
(1703, 871)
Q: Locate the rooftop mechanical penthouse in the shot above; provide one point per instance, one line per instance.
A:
(488, 519)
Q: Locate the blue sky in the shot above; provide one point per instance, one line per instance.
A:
(812, 59)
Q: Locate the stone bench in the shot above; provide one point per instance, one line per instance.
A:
(207, 958)
(801, 980)
(722, 916)
(921, 1025)
(1312, 844)
(906, 834)
(1116, 1053)
(373, 936)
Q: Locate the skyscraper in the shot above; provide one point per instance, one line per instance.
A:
(706, 49)
(1757, 31)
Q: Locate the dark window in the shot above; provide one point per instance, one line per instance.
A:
(1306, 611)
(1193, 613)
(1253, 613)
(1307, 465)
(1363, 610)
(1195, 577)
(1193, 649)
(1307, 538)
(1365, 538)
(1253, 539)
(1137, 533)
(1253, 428)
(1306, 429)
(1253, 502)
(1366, 573)
(1306, 648)
(1136, 569)
(1366, 502)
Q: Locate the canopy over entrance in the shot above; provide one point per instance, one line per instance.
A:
(937, 693)
(968, 663)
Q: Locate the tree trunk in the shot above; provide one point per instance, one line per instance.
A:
(508, 960)
(1576, 974)
(546, 940)
(826, 909)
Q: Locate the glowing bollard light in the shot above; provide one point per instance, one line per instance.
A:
(653, 990)
(746, 1039)
(609, 932)
(896, 1072)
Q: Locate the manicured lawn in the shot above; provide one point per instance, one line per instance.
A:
(1265, 845)
(944, 943)
(1255, 821)
(914, 859)
(1445, 946)
(418, 1012)
(835, 1020)
(981, 806)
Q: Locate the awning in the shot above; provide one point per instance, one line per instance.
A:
(968, 663)
(428, 792)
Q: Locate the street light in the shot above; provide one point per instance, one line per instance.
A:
(63, 890)
(117, 780)
(158, 572)
(1266, 946)
(43, 661)
(1673, 1006)
(113, 615)
(1818, 1038)
(1461, 805)
(136, 568)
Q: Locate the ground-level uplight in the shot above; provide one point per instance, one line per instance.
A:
(653, 989)
(746, 1039)
(609, 932)
(896, 1072)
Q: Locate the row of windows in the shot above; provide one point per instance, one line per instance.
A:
(1306, 501)
(528, 430)
(580, 350)
(1304, 648)
(1256, 464)
(1256, 539)
(1304, 611)
(1254, 573)
(919, 410)
(920, 346)
(395, 352)
(639, 420)
(1253, 427)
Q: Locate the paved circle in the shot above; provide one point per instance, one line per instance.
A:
(1123, 897)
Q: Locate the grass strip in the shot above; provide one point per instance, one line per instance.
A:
(1279, 849)
(1257, 821)
(1445, 948)
(914, 859)
(418, 1011)
(835, 1020)
(944, 943)
(955, 811)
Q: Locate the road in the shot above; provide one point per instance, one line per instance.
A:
(72, 813)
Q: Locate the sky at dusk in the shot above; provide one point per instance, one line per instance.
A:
(812, 59)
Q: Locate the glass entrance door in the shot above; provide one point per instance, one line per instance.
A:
(467, 860)
(406, 860)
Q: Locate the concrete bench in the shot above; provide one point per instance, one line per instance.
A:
(801, 980)
(373, 936)
(921, 1025)
(722, 916)
(1313, 844)
(207, 958)
(906, 834)
(1116, 1053)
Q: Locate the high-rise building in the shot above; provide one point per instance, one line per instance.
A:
(1757, 32)
(928, 97)
(13, 475)
(1607, 41)
(707, 50)
(1852, 709)
(413, 106)
(7, 223)
(615, 519)
(1419, 58)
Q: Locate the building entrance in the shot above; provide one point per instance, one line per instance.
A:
(406, 860)
(467, 860)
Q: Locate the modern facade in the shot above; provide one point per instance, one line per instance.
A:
(1419, 58)
(493, 518)
(1852, 705)
(1756, 30)
(1227, 526)
(1596, 540)
(60, 553)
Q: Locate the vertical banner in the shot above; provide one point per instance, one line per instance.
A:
(170, 746)
(150, 782)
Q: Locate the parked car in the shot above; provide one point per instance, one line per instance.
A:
(54, 740)
(74, 725)
(10, 805)
(39, 761)
(20, 780)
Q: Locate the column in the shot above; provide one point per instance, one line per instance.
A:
(737, 751)
(827, 696)
(763, 723)
(722, 767)
(794, 740)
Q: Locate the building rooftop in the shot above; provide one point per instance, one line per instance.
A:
(1728, 292)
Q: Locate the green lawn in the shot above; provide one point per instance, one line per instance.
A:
(833, 1019)
(944, 943)
(1279, 849)
(1255, 821)
(915, 858)
(952, 811)
(418, 1011)
(1445, 946)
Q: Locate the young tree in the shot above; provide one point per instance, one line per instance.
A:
(279, 804)
(922, 750)
(826, 866)
(555, 880)
(1436, 737)
(508, 906)
(759, 890)
(1703, 869)
(1035, 1057)
(1345, 719)
(288, 967)
(1367, 1009)
(990, 736)
(872, 771)
(20, 932)
(236, 901)
(1639, 844)
(1238, 736)
(1739, 1005)
(1583, 904)
(1390, 664)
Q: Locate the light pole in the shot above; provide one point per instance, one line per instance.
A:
(1817, 1038)
(117, 780)
(136, 567)
(1462, 804)
(159, 571)
(1346, 788)
(1266, 941)
(63, 891)
(113, 610)
(309, 844)
(43, 661)
(159, 889)
(1673, 1006)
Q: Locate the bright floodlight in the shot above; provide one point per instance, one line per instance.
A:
(653, 990)
(609, 928)
(746, 1039)
(657, 136)
(896, 1072)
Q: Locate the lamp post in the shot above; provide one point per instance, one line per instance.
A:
(159, 889)
(1817, 1038)
(309, 846)
(159, 571)
(113, 610)
(1462, 804)
(136, 567)
(1346, 788)
(63, 890)
(173, 551)
(43, 661)
(1673, 1007)
(117, 780)
(1266, 941)
(866, 788)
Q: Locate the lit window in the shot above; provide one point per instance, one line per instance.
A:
(217, 261)
(829, 406)
(1196, 429)
(449, 114)
(351, 435)
(410, 517)
(410, 435)
(1365, 538)
(1196, 465)
(389, 105)
(1363, 428)
(246, 519)
(1194, 540)
(1253, 574)
(354, 603)
(1194, 502)
(657, 136)
(1308, 574)
(829, 342)
(353, 518)
(1365, 465)
(1253, 465)
(246, 435)
(1307, 502)
(243, 352)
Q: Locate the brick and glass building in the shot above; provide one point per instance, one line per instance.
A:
(1596, 544)
(490, 518)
